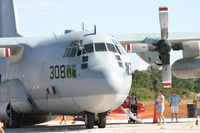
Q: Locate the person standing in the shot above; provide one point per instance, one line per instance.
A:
(160, 107)
(196, 102)
(133, 103)
(174, 101)
(63, 119)
(1, 128)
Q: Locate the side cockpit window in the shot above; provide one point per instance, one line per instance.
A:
(100, 47)
(121, 50)
(111, 47)
(73, 50)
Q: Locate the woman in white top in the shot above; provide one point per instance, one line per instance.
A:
(160, 107)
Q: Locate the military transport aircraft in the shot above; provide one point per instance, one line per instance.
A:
(78, 73)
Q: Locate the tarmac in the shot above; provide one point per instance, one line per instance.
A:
(185, 125)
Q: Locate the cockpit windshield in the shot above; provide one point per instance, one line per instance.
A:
(88, 48)
(100, 47)
(77, 48)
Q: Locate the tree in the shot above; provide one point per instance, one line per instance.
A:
(146, 82)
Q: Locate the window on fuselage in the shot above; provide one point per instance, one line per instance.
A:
(121, 50)
(100, 47)
(67, 52)
(88, 48)
(111, 47)
(73, 52)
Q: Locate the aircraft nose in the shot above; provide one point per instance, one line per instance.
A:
(108, 89)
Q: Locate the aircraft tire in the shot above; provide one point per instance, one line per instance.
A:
(89, 120)
(102, 120)
(15, 121)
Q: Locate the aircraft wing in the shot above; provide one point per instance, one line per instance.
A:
(175, 38)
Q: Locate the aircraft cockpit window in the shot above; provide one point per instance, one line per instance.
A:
(70, 52)
(73, 52)
(67, 52)
(111, 47)
(120, 50)
(100, 47)
(88, 48)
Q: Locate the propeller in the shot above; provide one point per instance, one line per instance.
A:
(164, 48)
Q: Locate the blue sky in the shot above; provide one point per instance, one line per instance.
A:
(44, 17)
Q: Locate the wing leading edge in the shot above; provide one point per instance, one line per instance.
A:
(175, 38)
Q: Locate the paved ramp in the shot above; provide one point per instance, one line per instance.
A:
(114, 126)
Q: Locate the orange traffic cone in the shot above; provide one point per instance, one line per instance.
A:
(155, 119)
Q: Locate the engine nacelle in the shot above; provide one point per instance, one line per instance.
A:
(5, 52)
(4, 110)
(152, 58)
(146, 51)
(187, 68)
(191, 49)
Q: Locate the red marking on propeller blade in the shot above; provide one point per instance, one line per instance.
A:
(163, 9)
(128, 47)
(167, 84)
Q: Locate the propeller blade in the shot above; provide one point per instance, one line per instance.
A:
(163, 16)
(166, 76)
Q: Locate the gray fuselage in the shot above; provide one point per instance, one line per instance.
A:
(60, 76)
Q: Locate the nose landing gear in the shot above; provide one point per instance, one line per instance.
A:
(91, 119)
(102, 120)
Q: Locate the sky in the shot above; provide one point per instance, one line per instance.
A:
(45, 17)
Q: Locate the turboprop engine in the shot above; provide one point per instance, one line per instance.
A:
(189, 66)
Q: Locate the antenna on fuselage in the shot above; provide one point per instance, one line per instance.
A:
(95, 29)
(83, 26)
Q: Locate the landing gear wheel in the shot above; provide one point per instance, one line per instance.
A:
(102, 120)
(89, 120)
(15, 121)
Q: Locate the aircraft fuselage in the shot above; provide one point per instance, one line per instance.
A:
(58, 76)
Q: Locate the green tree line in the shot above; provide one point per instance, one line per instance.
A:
(145, 83)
